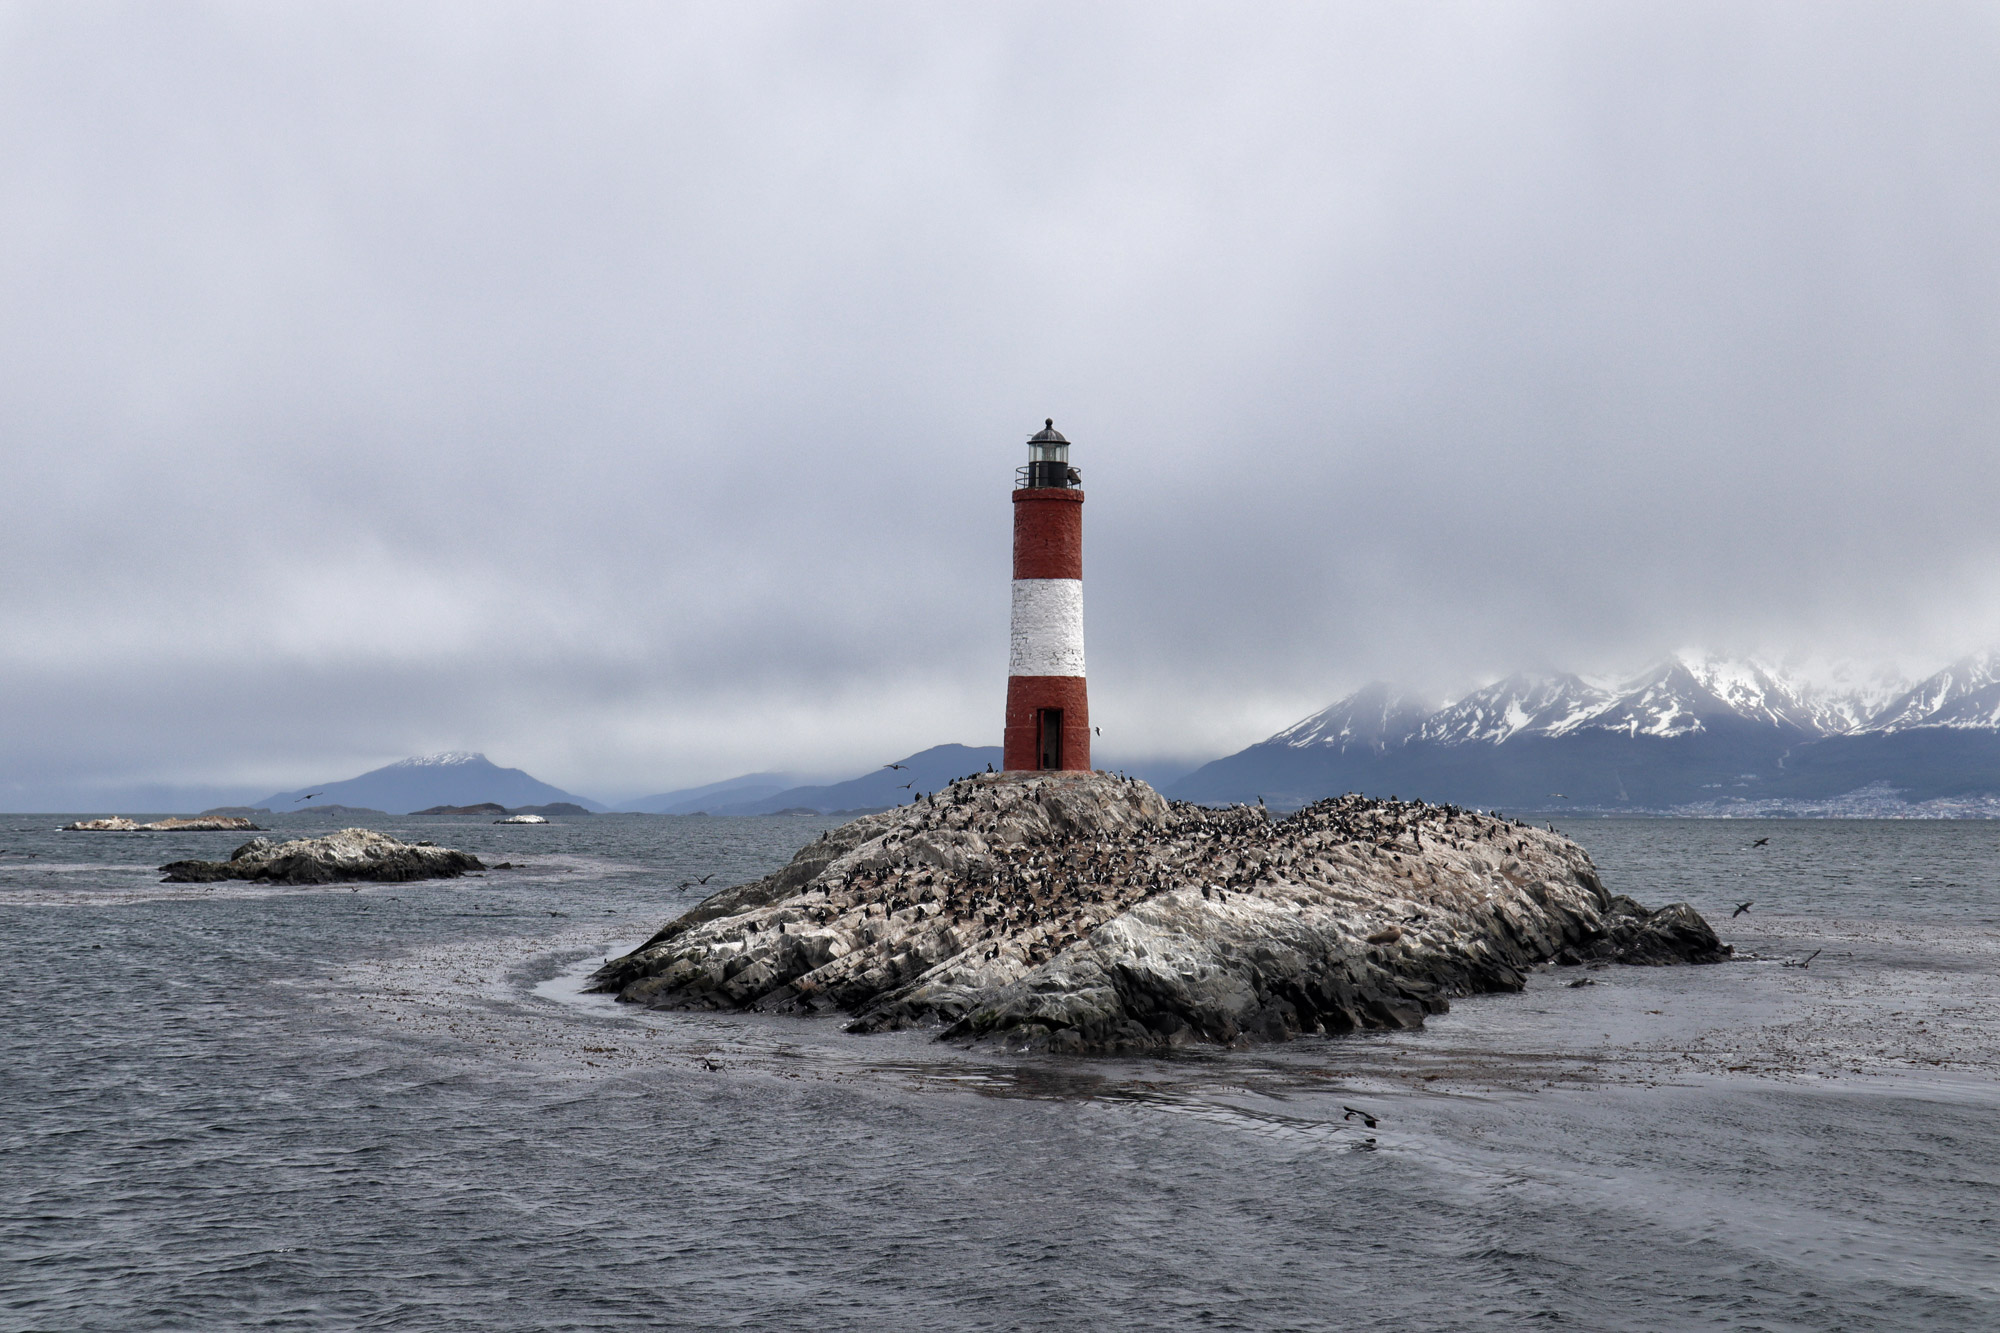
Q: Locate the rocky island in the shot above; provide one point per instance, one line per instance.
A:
(198, 824)
(351, 854)
(1086, 913)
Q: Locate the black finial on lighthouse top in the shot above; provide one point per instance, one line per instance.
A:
(1048, 460)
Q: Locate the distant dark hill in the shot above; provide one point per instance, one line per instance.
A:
(749, 788)
(1601, 770)
(491, 808)
(1922, 764)
(926, 771)
(457, 778)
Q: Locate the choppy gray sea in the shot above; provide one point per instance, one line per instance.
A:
(237, 1107)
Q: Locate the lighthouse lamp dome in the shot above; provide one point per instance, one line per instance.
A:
(1048, 460)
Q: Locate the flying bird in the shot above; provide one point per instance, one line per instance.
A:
(907, 785)
(1353, 1111)
(308, 798)
(1559, 796)
(706, 878)
(895, 765)
(1741, 908)
(1760, 842)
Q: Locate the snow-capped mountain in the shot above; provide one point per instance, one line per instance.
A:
(1374, 717)
(1547, 705)
(1689, 729)
(1675, 698)
(1964, 694)
(1678, 697)
(454, 777)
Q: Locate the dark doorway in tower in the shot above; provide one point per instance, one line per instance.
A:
(1050, 748)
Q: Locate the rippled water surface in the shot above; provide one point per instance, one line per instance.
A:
(230, 1106)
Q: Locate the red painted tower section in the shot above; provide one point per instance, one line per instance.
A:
(1048, 707)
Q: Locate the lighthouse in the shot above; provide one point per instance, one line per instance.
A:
(1048, 710)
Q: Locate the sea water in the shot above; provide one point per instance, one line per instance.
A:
(235, 1106)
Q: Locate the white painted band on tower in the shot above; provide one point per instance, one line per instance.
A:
(1047, 628)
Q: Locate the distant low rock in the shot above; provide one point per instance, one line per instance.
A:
(1086, 913)
(245, 811)
(523, 819)
(483, 808)
(200, 824)
(552, 808)
(350, 854)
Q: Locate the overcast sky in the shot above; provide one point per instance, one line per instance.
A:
(634, 392)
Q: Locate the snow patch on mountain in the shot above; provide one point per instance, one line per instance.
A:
(1964, 694)
(1374, 717)
(1521, 703)
(442, 759)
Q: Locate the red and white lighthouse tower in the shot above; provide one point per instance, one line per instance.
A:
(1048, 711)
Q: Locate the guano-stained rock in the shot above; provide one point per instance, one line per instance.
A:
(350, 854)
(1086, 913)
(198, 824)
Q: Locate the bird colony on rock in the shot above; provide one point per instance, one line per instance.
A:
(1085, 912)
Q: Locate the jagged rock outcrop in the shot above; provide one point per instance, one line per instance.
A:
(1087, 913)
(199, 824)
(351, 854)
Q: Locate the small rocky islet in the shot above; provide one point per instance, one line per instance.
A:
(350, 854)
(1086, 913)
(198, 824)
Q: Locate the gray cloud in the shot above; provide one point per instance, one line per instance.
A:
(634, 393)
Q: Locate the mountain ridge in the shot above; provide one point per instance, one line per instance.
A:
(450, 777)
(1685, 732)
